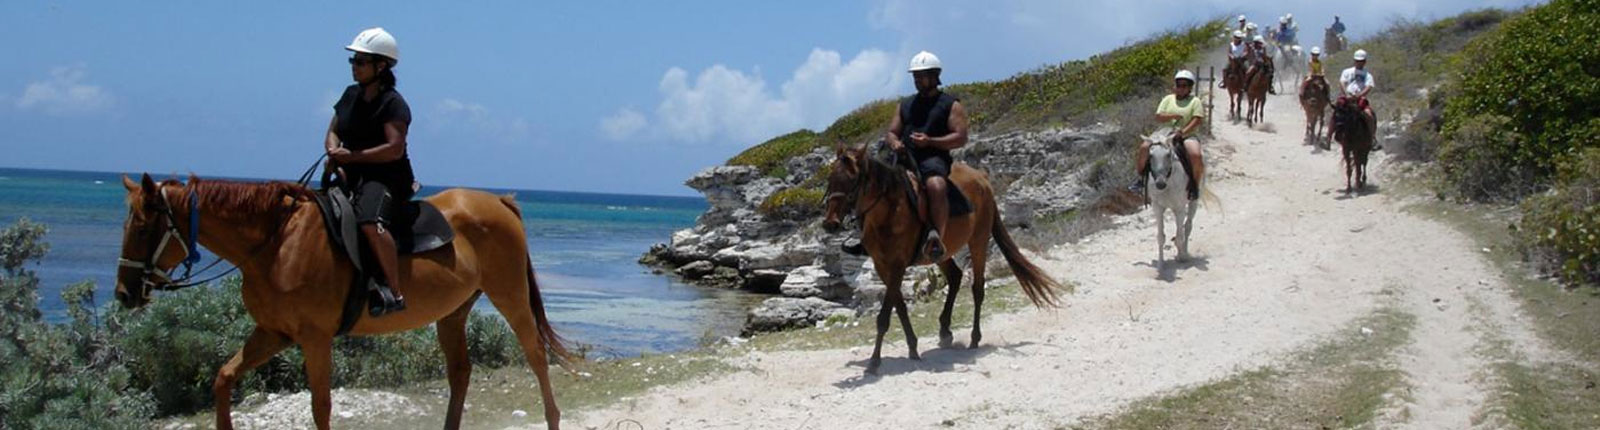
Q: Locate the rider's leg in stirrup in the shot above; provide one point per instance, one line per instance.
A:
(383, 248)
(1141, 168)
(938, 212)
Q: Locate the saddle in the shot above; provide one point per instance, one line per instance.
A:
(419, 227)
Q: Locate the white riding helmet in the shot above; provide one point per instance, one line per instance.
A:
(1289, 17)
(1361, 55)
(1316, 50)
(1250, 26)
(1283, 20)
(1238, 34)
(924, 61)
(1184, 74)
(1241, 18)
(1259, 39)
(376, 41)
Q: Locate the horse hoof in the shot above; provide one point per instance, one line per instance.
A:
(872, 368)
(975, 339)
(914, 356)
(946, 339)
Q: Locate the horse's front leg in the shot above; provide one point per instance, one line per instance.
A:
(891, 277)
(1161, 234)
(318, 353)
(1188, 227)
(261, 346)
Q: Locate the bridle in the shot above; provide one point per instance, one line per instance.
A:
(855, 192)
(153, 277)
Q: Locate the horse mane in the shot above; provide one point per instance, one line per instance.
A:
(886, 178)
(241, 199)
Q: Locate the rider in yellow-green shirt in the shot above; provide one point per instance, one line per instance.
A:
(1182, 111)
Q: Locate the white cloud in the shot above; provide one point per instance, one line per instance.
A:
(478, 120)
(64, 93)
(732, 106)
(623, 125)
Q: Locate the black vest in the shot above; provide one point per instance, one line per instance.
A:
(929, 115)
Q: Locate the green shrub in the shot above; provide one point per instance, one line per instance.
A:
(1478, 159)
(1541, 72)
(793, 203)
(1562, 226)
(865, 125)
(54, 377)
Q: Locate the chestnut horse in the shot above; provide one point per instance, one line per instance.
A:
(1233, 78)
(295, 281)
(1256, 84)
(891, 227)
(1354, 131)
(1314, 101)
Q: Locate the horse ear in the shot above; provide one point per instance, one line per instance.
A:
(129, 184)
(838, 148)
(147, 184)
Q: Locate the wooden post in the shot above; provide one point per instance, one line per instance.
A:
(1211, 94)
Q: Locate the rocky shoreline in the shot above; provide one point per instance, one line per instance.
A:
(735, 245)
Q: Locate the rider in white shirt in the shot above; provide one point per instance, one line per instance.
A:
(1355, 83)
(1236, 50)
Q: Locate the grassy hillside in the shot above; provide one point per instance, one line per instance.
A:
(1074, 92)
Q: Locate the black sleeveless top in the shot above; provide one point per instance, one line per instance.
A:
(929, 115)
(360, 126)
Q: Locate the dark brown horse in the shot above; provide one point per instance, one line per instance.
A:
(891, 225)
(295, 282)
(1256, 84)
(1354, 130)
(1233, 78)
(1314, 101)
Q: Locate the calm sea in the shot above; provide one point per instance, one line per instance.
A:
(584, 247)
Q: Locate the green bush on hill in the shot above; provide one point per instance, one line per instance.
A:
(1541, 72)
(1562, 226)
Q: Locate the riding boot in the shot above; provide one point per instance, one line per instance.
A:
(853, 246)
(388, 298)
(935, 248)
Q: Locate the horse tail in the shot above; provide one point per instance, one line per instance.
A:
(555, 346)
(1039, 288)
(1209, 200)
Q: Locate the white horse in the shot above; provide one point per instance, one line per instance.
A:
(1169, 182)
(1293, 60)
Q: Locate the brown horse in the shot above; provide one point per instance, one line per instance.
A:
(1314, 101)
(1256, 84)
(1354, 130)
(891, 226)
(1233, 78)
(295, 282)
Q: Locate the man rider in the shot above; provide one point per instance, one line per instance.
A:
(1338, 27)
(1236, 50)
(929, 125)
(1355, 83)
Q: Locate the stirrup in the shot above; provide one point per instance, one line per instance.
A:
(935, 247)
(382, 301)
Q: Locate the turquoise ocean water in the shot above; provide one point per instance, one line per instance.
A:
(584, 247)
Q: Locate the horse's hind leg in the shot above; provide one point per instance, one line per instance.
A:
(452, 334)
(952, 276)
(261, 346)
(980, 260)
(515, 305)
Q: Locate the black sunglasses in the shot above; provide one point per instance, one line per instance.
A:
(362, 60)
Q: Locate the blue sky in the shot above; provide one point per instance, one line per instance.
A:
(624, 97)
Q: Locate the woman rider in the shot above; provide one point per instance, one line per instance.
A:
(367, 139)
(1182, 111)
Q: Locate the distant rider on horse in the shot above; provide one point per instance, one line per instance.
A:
(1314, 65)
(1355, 83)
(366, 140)
(929, 125)
(1338, 27)
(1183, 112)
(1236, 53)
(1259, 57)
